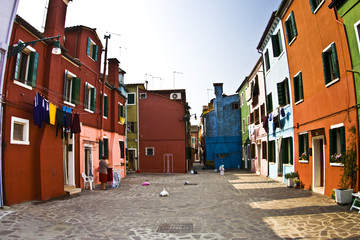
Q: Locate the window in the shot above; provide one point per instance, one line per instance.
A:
(90, 97)
(283, 93)
(243, 125)
(149, 151)
(243, 98)
(357, 33)
(121, 113)
(106, 106)
(122, 149)
(92, 50)
(298, 87)
(290, 28)
(262, 110)
(330, 65)
(71, 88)
(269, 103)
(271, 151)
(19, 131)
(131, 98)
(257, 116)
(303, 146)
(253, 152)
(252, 117)
(337, 141)
(104, 148)
(235, 105)
(263, 149)
(287, 151)
(26, 66)
(132, 127)
(143, 96)
(277, 44)
(315, 5)
(267, 61)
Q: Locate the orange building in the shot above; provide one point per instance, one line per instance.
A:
(322, 89)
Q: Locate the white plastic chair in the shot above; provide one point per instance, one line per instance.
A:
(88, 179)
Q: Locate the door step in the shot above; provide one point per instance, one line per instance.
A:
(70, 190)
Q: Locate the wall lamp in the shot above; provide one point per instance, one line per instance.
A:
(187, 117)
(16, 48)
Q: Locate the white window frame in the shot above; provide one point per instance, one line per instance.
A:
(120, 104)
(27, 51)
(69, 90)
(357, 33)
(88, 92)
(143, 96)
(92, 43)
(134, 93)
(153, 149)
(25, 123)
(319, 6)
(328, 49)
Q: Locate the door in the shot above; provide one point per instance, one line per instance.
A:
(318, 164)
(259, 157)
(131, 159)
(68, 160)
(88, 167)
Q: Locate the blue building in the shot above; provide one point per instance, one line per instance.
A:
(223, 130)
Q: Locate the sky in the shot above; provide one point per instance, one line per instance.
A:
(203, 41)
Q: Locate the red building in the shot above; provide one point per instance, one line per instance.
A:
(162, 139)
(42, 158)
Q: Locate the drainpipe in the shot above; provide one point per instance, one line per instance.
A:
(106, 37)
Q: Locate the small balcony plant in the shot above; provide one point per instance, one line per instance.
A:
(336, 158)
(303, 156)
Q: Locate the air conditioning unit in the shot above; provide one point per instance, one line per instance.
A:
(175, 96)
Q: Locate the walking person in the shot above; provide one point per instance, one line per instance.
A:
(103, 172)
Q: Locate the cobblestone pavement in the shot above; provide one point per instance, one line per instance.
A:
(237, 205)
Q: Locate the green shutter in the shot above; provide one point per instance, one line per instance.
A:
(279, 41)
(293, 24)
(281, 93)
(101, 147)
(88, 47)
(75, 94)
(122, 149)
(284, 150)
(301, 91)
(122, 111)
(342, 140)
(119, 112)
(332, 141)
(301, 144)
(106, 148)
(93, 99)
(65, 85)
(33, 67)
(17, 66)
(106, 106)
(326, 67)
(287, 31)
(275, 45)
(290, 141)
(269, 103)
(313, 7)
(95, 52)
(286, 91)
(86, 92)
(334, 61)
(296, 87)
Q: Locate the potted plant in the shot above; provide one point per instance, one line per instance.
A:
(296, 183)
(303, 157)
(343, 195)
(290, 178)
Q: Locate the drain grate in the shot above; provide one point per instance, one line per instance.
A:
(176, 228)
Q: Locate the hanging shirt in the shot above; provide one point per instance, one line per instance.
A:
(52, 113)
(75, 126)
(46, 117)
(59, 120)
(38, 110)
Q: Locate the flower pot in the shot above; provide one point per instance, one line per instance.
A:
(343, 196)
(290, 182)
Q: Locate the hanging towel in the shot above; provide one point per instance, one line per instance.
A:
(52, 113)
(59, 121)
(38, 110)
(75, 126)
(46, 116)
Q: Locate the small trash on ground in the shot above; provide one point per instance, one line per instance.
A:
(193, 171)
(164, 193)
(145, 184)
(188, 183)
(221, 169)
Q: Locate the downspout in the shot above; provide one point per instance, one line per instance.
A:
(103, 88)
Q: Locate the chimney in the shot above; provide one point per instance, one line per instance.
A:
(55, 19)
(113, 72)
(218, 89)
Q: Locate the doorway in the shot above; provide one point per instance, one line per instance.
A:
(131, 159)
(259, 157)
(68, 160)
(88, 166)
(318, 164)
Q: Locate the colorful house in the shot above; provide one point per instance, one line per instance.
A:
(222, 130)
(245, 120)
(322, 87)
(279, 100)
(54, 147)
(133, 125)
(162, 131)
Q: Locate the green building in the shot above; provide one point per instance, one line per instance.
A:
(132, 125)
(244, 114)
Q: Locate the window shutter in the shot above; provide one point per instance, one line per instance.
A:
(287, 30)
(293, 24)
(106, 148)
(101, 147)
(301, 91)
(75, 95)
(281, 95)
(33, 67)
(269, 103)
(279, 41)
(342, 140)
(290, 141)
(86, 93)
(119, 112)
(307, 145)
(312, 6)
(326, 67)
(65, 85)
(122, 111)
(284, 150)
(332, 141)
(301, 144)
(334, 60)
(93, 99)
(122, 149)
(106, 105)
(88, 47)
(296, 88)
(95, 52)
(275, 45)
(286, 92)
(17, 66)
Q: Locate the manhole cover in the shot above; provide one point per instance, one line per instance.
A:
(175, 228)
